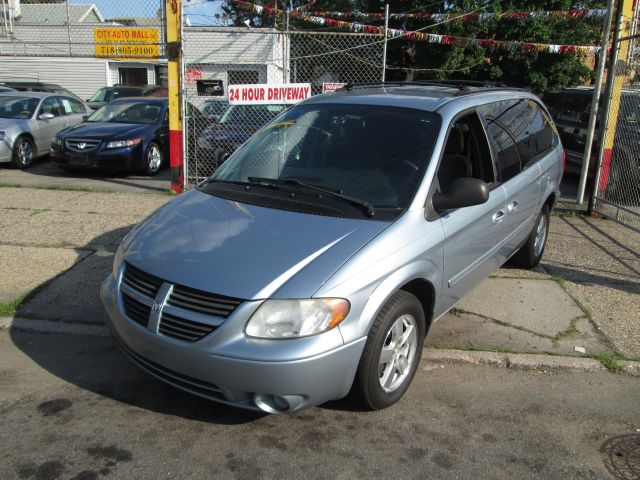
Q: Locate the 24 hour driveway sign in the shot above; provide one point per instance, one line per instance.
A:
(266, 94)
(126, 43)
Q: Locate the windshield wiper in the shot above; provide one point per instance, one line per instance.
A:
(274, 182)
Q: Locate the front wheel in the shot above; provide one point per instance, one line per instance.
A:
(23, 153)
(153, 159)
(391, 354)
(531, 252)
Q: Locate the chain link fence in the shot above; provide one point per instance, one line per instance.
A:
(617, 195)
(215, 58)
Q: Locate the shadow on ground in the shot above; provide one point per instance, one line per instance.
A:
(43, 173)
(95, 363)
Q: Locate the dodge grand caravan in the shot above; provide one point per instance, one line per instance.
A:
(314, 261)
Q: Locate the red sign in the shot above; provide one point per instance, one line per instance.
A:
(331, 87)
(193, 75)
(266, 94)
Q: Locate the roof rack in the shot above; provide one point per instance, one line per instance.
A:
(464, 87)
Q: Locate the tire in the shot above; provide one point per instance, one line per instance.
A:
(153, 160)
(530, 254)
(401, 312)
(23, 153)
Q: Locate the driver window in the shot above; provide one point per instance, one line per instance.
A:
(50, 105)
(466, 154)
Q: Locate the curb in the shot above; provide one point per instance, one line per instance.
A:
(47, 326)
(522, 361)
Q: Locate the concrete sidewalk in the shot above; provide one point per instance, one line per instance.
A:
(584, 294)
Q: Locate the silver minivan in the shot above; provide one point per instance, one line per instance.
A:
(314, 261)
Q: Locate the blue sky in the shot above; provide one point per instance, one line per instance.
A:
(199, 12)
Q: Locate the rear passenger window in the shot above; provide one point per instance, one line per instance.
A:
(497, 115)
(521, 132)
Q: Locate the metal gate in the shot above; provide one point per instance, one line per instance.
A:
(215, 58)
(617, 182)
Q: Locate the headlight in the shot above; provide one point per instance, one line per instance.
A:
(296, 318)
(124, 143)
(57, 141)
(117, 261)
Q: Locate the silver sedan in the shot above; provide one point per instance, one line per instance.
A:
(29, 122)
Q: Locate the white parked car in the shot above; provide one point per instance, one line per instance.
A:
(29, 121)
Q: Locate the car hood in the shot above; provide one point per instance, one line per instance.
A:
(105, 130)
(244, 251)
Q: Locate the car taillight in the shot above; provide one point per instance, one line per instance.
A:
(564, 160)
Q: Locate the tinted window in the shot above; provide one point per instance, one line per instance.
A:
(497, 116)
(126, 92)
(51, 105)
(575, 109)
(540, 135)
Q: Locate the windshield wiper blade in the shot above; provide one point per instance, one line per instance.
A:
(368, 208)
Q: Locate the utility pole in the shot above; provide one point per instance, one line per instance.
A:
(174, 54)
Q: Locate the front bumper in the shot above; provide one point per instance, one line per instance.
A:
(5, 152)
(206, 367)
(112, 159)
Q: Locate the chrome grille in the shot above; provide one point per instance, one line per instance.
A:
(183, 329)
(135, 310)
(186, 311)
(140, 281)
(80, 145)
(202, 302)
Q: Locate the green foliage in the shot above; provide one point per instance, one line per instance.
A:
(420, 60)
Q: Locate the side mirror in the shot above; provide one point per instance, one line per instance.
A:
(46, 116)
(465, 192)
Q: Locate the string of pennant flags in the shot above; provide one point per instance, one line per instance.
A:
(527, 47)
(471, 18)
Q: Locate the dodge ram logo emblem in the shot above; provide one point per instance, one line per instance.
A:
(156, 306)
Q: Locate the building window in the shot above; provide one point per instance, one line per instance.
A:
(132, 76)
(162, 76)
(239, 77)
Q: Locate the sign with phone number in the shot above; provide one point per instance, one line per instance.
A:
(131, 51)
(126, 43)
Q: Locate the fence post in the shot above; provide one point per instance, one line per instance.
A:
(586, 160)
(174, 53)
(615, 82)
(384, 51)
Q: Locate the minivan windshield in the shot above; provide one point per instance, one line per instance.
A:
(250, 114)
(128, 112)
(372, 153)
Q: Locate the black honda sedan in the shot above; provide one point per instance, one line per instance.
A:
(128, 134)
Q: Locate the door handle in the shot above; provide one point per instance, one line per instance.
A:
(498, 217)
(513, 207)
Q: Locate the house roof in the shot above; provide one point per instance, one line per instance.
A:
(137, 21)
(56, 14)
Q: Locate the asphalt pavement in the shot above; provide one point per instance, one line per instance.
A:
(72, 406)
